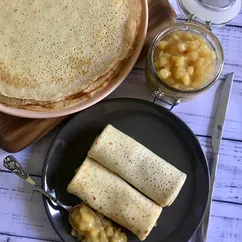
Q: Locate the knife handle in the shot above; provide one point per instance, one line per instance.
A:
(202, 231)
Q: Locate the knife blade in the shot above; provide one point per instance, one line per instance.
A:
(217, 135)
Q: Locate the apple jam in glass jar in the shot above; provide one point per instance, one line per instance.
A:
(183, 61)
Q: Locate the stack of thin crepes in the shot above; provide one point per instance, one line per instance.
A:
(56, 53)
(114, 163)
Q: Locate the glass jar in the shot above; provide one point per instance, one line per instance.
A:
(169, 94)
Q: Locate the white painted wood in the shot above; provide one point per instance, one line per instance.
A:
(21, 209)
(198, 113)
(230, 38)
(225, 223)
(11, 238)
(228, 185)
(22, 214)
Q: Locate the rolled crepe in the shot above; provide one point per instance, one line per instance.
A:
(139, 166)
(110, 195)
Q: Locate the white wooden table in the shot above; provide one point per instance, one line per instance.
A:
(22, 214)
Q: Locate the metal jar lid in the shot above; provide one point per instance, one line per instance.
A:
(218, 12)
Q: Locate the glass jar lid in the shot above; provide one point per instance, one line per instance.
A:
(218, 12)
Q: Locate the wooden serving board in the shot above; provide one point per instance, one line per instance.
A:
(18, 133)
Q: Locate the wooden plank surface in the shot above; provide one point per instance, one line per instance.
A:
(21, 209)
(225, 223)
(13, 238)
(228, 184)
(18, 133)
(199, 119)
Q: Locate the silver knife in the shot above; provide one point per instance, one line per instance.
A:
(218, 129)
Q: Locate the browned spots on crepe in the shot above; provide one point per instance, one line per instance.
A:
(14, 80)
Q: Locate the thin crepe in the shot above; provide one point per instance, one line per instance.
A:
(46, 55)
(95, 87)
(110, 195)
(139, 166)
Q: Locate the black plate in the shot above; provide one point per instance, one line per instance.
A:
(156, 128)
